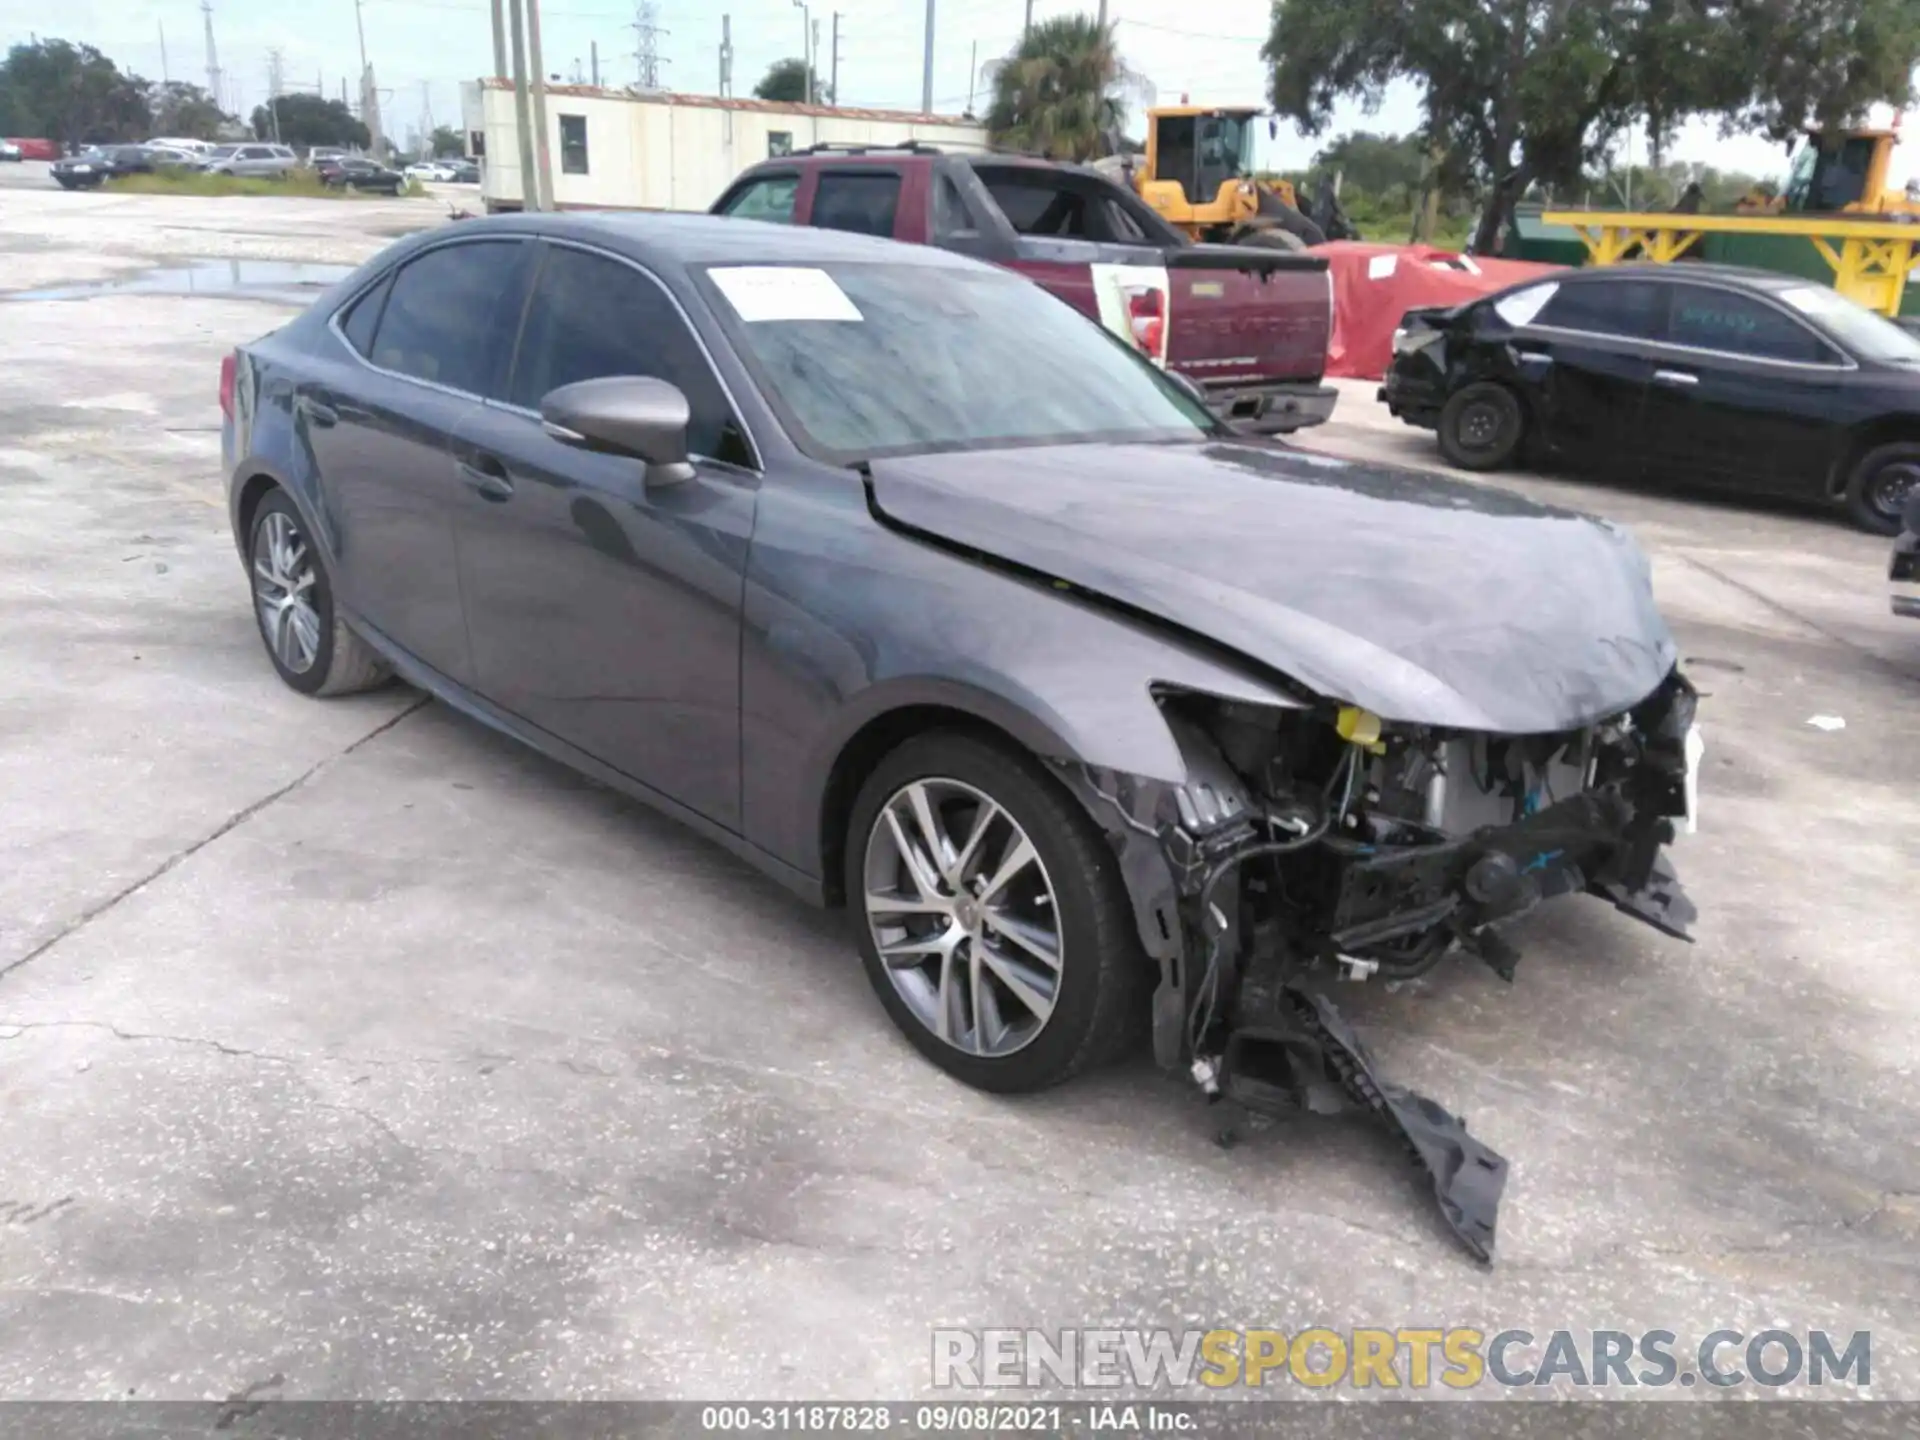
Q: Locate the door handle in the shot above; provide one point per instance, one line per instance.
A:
(487, 476)
(316, 413)
(1674, 377)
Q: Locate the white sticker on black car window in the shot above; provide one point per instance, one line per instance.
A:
(783, 292)
(1520, 307)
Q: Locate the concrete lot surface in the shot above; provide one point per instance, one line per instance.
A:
(347, 1043)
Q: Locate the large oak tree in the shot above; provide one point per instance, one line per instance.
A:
(1526, 91)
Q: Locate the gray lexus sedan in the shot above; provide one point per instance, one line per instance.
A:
(920, 591)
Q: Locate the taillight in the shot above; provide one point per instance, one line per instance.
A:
(1147, 319)
(226, 385)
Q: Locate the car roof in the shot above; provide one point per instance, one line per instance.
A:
(684, 239)
(1679, 272)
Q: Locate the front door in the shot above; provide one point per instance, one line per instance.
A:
(1585, 364)
(431, 341)
(602, 609)
(1745, 397)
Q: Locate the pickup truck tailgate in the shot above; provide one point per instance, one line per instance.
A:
(1238, 314)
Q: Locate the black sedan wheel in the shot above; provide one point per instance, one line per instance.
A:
(309, 645)
(1880, 486)
(1482, 427)
(991, 915)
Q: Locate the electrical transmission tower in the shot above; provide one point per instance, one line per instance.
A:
(647, 29)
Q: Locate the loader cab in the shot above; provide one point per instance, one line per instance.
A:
(1200, 151)
(1836, 171)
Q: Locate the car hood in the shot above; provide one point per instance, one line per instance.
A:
(1423, 599)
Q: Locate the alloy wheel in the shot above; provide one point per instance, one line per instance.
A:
(963, 916)
(283, 580)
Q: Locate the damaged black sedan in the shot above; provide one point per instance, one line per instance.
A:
(905, 582)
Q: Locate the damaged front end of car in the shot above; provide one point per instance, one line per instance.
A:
(1320, 843)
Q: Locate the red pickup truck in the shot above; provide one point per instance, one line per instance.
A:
(1247, 326)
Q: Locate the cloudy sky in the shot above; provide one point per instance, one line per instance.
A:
(422, 49)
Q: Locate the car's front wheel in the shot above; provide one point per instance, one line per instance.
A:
(1482, 426)
(312, 648)
(1886, 477)
(991, 915)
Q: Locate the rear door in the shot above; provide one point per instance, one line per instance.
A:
(884, 200)
(1583, 361)
(1745, 395)
(429, 342)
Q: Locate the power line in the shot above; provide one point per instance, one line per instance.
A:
(1193, 34)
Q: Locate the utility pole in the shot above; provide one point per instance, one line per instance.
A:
(522, 110)
(1103, 13)
(973, 69)
(426, 121)
(833, 85)
(213, 55)
(813, 77)
(646, 28)
(1029, 25)
(806, 56)
(165, 78)
(274, 82)
(542, 153)
(499, 40)
(593, 49)
(926, 67)
(726, 56)
(369, 95)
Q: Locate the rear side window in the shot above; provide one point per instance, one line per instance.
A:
(1631, 309)
(1715, 319)
(443, 314)
(951, 215)
(768, 198)
(364, 315)
(864, 203)
(591, 317)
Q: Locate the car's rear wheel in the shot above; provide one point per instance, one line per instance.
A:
(1883, 481)
(312, 648)
(1482, 426)
(991, 915)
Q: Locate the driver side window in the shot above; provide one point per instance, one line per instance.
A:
(593, 316)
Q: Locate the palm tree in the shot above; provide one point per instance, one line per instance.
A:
(1062, 91)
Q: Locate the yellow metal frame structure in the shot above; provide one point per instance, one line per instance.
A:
(1870, 259)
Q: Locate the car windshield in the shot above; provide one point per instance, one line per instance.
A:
(867, 360)
(1865, 334)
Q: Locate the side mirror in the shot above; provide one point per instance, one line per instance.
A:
(631, 415)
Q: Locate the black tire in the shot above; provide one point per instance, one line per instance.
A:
(1882, 482)
(343, 663)
(1099, 1007)
(1270, 240)
(1482, 426)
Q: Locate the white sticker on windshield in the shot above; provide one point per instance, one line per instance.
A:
(783, 292)
(1520, 307)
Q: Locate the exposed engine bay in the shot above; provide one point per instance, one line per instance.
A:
(1318, 844)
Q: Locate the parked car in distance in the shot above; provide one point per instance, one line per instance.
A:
(94, 167)
(10, 152)
(199, 148)
(1905, 569)
(1248, 327)
(910, 585)
(357, 173)
(326, 152)
(464, 172)
(1693, 374)
(435, 170)
(258, 162)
